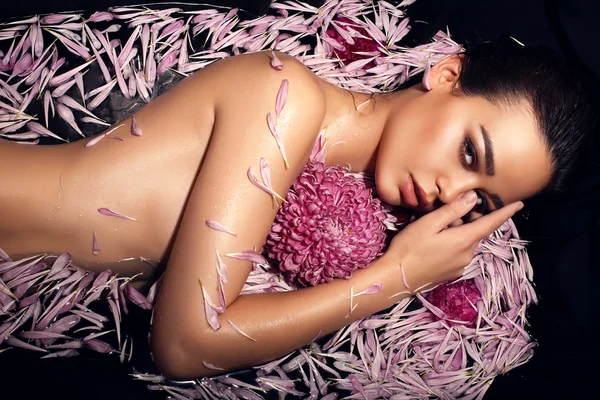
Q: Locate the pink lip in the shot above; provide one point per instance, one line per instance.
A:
(409, 195)
(421, 194)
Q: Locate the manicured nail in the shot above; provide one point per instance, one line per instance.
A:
(469, 197)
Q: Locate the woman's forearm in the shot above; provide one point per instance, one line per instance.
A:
(284, 321)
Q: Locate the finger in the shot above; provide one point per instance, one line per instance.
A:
(456, 209)
(487, 224)
(456, 223)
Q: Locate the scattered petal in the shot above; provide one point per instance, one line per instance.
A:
(263, 187)
(403, 276)
(248, 255)
(426, 82)
(276, 62)
(216, 225)
(282, 94)
(110, 213)
(95, 246)
(135, 128)
(278, 140)
(238, 330)
(374, 288)
(210, 366)
(212, 318)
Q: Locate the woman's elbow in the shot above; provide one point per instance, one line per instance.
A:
(177, 361)
(168, 358)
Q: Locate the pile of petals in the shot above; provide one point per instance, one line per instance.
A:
(49, 305)
(133, 53)
(421, 347)
(68, 69)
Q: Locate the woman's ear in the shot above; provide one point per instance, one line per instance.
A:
(445, 72)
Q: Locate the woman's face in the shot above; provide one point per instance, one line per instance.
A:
(448, 144)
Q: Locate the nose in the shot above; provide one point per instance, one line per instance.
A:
(449, 189)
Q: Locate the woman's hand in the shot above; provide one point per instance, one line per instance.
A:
(431, 251)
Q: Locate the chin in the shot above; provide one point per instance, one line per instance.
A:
(384, 193)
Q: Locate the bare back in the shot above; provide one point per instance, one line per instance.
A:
(50, 195)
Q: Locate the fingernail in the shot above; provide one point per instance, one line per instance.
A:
(520, 206)
(469, 197)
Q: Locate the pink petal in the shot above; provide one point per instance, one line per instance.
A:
(100, 16)
(216, 225)
(375, 288)
(71, 103)
(403, 277)
(102, 136)
(136, 297)
(67, 115)
(210, 366)
(116, 312)
(99, 59)
(238, 330)
(426, 82)
(36, 127)
(221, 269)
(62, 78)
(79, 81)
(221, 292)
(273, 129)
(95, 246)
(53, 19)
(356, 385)
(119, 73)
(263, 187)
(42, 335)
(13, 341)
(282, 94)
(135, 128)
(145, 39)
(275, 61)
(102, 95)
(212, 318)
(128, 46)
(95, 140)
(265, 173)
(99, 346)
(47, 103)
(248, 255)
(110, 213)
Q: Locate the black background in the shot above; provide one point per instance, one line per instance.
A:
(564, 229)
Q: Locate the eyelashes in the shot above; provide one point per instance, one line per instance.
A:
(468, 155)
(468, 158)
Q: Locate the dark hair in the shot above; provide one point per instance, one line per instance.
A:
(505, 71)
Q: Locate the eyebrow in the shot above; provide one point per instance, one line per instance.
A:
(489, 163)
(488, 151)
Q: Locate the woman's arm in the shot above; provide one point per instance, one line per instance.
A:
(245, 89)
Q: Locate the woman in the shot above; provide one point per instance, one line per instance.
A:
(489, 129)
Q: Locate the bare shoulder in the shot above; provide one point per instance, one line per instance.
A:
(250, 78)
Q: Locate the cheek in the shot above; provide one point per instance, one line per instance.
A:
(386, 186)
(390, 165)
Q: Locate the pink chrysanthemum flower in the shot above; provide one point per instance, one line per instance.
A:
(330, 226)
(457, 300)
(362, 43)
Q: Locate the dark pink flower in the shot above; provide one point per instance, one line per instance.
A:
(457, 301)
(330, 226)
(360, 44)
